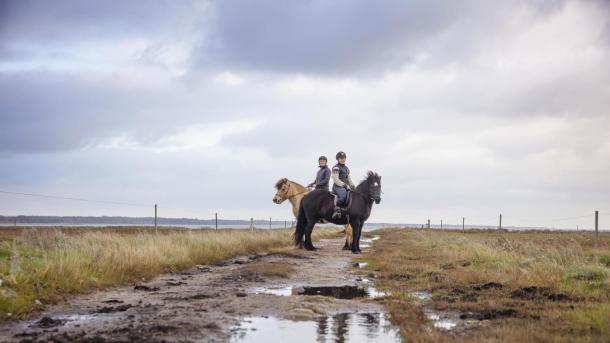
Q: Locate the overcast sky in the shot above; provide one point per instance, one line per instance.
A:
(466, 108)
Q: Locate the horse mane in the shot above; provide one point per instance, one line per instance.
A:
(280, 182)
(283, 180)
(363, 185)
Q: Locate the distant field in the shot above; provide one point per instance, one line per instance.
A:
(48, 264)
(514, 286)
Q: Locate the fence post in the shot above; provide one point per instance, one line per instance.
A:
(285, 224)
(270, 222)
(463, 221)
(252, 224)
(155, 218)
(441, 224)
(216, 220)
(500, 227)
(596, 227)
(428, 223)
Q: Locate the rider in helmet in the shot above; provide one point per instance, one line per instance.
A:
(323, 176)
(342, 181)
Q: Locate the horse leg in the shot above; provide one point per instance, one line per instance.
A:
(359, 234)
(348, 237)
(355, 236)
(308, 230)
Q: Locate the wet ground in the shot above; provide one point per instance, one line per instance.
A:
(326, 299)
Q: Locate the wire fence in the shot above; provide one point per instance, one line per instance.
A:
(155, 221)
(501, 220)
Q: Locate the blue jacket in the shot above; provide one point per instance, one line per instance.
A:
(322, 178)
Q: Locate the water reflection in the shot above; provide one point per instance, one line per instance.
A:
(339, 292)
(339, 328)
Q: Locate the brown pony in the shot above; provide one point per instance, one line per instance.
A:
(294, 192)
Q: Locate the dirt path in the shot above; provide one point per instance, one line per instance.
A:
(230, 302)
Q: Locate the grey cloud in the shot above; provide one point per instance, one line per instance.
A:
(346, 37)
(40, 21)
(44, 112)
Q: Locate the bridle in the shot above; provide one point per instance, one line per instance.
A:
(292, 196)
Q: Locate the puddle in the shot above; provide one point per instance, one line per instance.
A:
(73, 320)
(366, 242)
(342, 327)
(339, 292)
(421, 295)
(440, 322)
(343, 292)
(283, 291)
(443, 320)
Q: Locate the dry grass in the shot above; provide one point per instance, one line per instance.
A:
(48, 264)
(571, 300)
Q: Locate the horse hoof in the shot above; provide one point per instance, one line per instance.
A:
(356, 252)
(347, 248)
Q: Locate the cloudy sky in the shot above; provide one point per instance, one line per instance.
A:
(466, 108)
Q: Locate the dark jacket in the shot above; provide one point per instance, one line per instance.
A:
(322, 178)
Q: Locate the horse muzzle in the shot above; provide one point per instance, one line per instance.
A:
(277, 200)
(377, 200)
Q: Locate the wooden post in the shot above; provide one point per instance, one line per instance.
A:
(463, 222)
(270, 222)
(441, 224)
(216, 219)
(428, 223)
(285, 224)
(252, 224)
(155, 218)
(596, 226)
(500, 226)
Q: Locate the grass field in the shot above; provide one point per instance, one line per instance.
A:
(515, 286)
(48, 264)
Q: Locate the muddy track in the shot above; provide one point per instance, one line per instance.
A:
(228, 302)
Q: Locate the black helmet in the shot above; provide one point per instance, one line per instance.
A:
(341, 154)
(323, 158)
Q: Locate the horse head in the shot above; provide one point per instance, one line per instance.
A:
(374, 183)
(282, 187)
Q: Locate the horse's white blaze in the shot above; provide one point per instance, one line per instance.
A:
(375, 184)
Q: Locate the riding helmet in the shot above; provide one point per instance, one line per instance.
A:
(340, 154)
(322, 158)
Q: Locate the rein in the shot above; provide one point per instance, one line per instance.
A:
(292, 196)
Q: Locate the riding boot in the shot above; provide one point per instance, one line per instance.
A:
(337, 212)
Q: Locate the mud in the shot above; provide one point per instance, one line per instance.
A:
(224, 303)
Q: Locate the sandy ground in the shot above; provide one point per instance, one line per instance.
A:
(205, 303)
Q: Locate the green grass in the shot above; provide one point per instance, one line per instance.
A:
(566, 273)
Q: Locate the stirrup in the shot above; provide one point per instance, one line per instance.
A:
(337, 214)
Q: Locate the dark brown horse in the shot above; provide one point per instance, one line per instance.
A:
(319, 204)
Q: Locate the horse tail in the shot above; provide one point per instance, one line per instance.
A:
(299, 230)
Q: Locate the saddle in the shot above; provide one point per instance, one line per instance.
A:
(348, 201)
